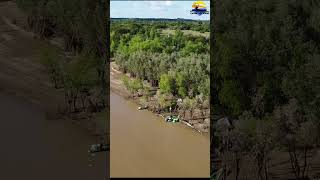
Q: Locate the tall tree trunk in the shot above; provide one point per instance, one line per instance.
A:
(225, 172)
(237, 166)
(294, 162)
(305, 161)
(266, 168)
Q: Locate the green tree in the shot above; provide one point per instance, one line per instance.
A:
(167, 84)
(182, 85)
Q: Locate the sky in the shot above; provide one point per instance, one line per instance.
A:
(155, 9)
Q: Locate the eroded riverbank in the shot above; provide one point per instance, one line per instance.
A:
(117, 86)
(143, 145)
(32, 146)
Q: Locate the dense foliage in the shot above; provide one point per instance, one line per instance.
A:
(178, 64)
(266, 74)
(176, 24)
(83, 27)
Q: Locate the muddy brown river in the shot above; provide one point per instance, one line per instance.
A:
(37, 149)
(143, 145)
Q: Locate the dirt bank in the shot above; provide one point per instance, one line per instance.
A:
(117, 87)
(142, 145)
(22, 75)
(35, 147)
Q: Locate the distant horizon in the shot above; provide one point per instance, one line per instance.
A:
(155, 10)
(158, 18)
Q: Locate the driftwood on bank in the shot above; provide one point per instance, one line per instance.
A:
(196, 118)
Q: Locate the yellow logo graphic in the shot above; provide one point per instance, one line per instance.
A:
(199, 7)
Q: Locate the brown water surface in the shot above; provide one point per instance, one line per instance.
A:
(143, 145)
(38, 149)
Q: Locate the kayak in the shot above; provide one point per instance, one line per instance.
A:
(175, 119)
(168, 119)
(172, 119)
(142, 108)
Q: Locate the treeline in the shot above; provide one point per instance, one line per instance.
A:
(201, 26)
(176, 63)
(176, 24)
(266, 80)
(82, 24)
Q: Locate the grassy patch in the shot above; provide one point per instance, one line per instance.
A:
(187, 32)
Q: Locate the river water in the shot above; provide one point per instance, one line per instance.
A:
(143, 145)
(38, 149)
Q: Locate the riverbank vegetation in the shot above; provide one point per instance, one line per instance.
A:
(266, 85)
(78, 65)
(170, 71)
